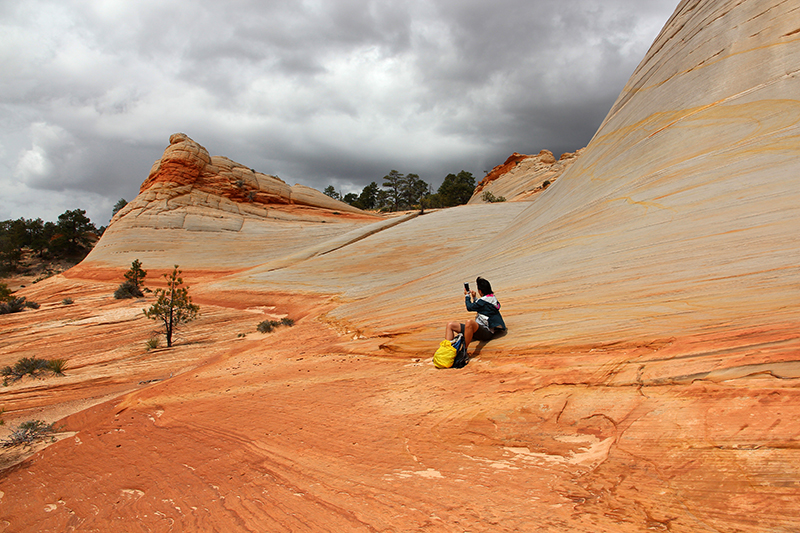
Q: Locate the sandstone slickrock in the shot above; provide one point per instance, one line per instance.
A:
(648, 382)
(521, 177)
(212, 213)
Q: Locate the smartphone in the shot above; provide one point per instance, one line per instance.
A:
(466, 287)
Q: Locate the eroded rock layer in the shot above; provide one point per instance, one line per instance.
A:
(521, 177)
(211, 213)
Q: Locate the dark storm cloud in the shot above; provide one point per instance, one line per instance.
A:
(318, 92)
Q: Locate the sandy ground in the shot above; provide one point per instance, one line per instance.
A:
(306, 430)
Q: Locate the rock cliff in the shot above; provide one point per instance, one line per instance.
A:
(648, 380)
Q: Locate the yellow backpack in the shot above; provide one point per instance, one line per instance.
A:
(444, 356)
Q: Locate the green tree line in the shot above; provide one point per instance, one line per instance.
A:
(399, 192)
(69, 238)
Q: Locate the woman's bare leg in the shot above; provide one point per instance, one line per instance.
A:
(451, 329)
(469, 330)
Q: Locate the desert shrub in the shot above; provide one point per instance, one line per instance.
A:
(29, 433)
(12, 305)
(545, 184)
(128, 289)
(152, 343)
(32, 366)
(31, 305)
(268, 325)
(487, 196)
(67, 301)
(57, 366)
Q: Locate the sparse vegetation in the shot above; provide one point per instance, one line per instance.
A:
(152, 343)
(5, 292)
(57, 366)
(30, 432)
(133, 284)
(173, 305)
(69, 239)
(127, 290)
(268, 325)
(33, 367)
(487, 196)
(121, 203)
(12, 305)
(68, 301)
(409, 191)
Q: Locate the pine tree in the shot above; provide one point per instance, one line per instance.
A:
(457, 189)
(368, 198)
(173, 305)
(394, 183)
(134, 281)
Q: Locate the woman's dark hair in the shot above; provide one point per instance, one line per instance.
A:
(484, 286)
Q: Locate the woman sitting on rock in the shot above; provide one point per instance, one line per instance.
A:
(488, 320)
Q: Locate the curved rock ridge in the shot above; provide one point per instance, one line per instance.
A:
(681, 215)
(186, 162)
(521, 176)
(212, 213)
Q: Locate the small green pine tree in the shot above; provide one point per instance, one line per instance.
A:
(173, 305)
(134, 281)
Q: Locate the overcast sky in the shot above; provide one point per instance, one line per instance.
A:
(318, 92)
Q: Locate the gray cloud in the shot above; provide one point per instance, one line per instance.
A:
(318, 92)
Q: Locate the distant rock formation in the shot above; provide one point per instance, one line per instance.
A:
(240, 211)
(522, 176)
(186, 163)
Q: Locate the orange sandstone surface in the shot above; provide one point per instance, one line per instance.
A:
(521, 176)
(649, 380)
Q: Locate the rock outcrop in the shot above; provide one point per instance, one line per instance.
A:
(521, 177)
(186, 163)
(678, 218)
(208, 212)
(648, 380)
